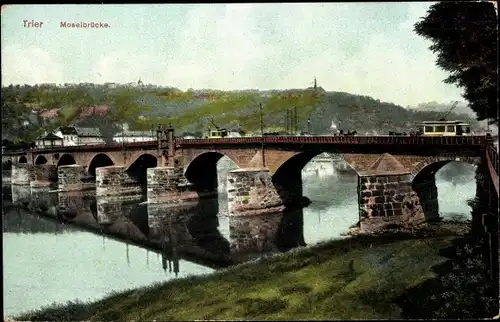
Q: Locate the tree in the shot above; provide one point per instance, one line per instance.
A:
(464, 37)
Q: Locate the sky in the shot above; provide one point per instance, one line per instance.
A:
(360, 48)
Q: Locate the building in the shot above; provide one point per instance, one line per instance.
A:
(73, 135)
(48, 140)
(127, 136)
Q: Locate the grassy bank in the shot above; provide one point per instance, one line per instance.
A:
(358, 278)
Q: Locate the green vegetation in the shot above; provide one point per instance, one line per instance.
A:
(190, 111)
(464, 36)
(358, 278)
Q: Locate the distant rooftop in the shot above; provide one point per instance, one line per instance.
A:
(127, 133)
(80, 131)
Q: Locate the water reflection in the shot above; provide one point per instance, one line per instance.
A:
(191, 230)
(252, 236)
(191, 240)
(87, 266)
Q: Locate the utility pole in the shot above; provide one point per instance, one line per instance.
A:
(286, 121)
(262, 135)
(309, 125)
(295, 118)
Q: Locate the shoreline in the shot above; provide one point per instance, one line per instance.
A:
(241, 280)
(353, 243)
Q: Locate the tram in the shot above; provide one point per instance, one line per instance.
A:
(216, 134)
(444, 128)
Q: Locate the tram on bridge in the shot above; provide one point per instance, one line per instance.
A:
(444, 128)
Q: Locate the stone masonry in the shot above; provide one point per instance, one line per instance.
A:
(386, 196)
(115, 181)
(73, 178)
(168, 185)
(22, 174)
(251, 192)
(44, 175)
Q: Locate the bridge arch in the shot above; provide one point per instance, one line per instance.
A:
(66, 159)
(97, 161)
(23, 159)
(202, 170)
(287, 176)
(40, 160)
(138, 168)
(433, 164)
(423, 178)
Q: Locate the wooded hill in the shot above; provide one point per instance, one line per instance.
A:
(189, 111)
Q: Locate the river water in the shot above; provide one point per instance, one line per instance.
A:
(83, 247)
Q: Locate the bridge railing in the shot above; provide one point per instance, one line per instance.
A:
(99, 146)
(492, 158)
(348, 140)
(362, 140)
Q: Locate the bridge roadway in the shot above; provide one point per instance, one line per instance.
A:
(306, 140)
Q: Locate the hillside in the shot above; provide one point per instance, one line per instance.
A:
(348, 111)
(192, 110)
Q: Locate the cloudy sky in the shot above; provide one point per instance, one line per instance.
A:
(360, 48)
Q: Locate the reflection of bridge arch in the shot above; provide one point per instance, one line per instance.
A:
(23, 159)
(41, 160)
(66, 159)
(138, 168)
(97, 161)
(202, 170)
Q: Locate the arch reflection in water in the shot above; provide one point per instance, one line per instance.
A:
(191, 230)
(20, 221)
(114, 217)
(76, 207)
(254, 235)
(44, 201)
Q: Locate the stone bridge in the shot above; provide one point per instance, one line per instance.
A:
(396, 174)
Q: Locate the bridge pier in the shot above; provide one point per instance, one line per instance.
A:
(22, 174)
(252, 192)
(73, 177)
(168, 185)
(44, 175)
(387, 199)
(115, 181)
(427, 193)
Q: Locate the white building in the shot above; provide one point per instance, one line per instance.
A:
(73, 135)
(127, 136)
(48, 140)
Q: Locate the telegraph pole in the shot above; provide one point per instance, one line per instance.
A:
(295, 118)
(262, 135)
(286, 121)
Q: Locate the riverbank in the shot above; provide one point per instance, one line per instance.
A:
(362, 277)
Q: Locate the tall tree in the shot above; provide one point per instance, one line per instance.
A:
(464, 37)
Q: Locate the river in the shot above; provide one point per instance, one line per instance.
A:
(91, 247)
